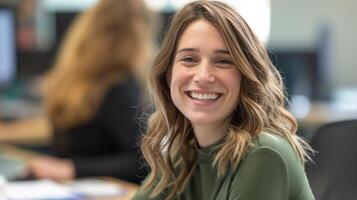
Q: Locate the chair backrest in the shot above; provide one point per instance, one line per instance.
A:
(333, 175)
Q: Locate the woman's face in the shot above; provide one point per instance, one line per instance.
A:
(204, 82)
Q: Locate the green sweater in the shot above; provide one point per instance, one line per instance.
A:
(270, 171)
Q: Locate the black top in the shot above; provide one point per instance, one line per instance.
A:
(107, 144)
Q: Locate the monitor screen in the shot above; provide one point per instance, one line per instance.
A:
(7, 46)
(299, 70)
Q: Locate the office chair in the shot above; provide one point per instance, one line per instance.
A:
(333, 175)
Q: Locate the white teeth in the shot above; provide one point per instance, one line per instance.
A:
(206, 96)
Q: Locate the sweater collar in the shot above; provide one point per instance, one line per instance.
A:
(207, 154)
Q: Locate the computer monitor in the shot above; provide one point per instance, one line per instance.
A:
(8, 58)
(302, 73)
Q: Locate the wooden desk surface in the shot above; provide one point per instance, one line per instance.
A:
(32, 131)
(131, 188)
(322, 113)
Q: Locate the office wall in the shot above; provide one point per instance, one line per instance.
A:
(298, 25)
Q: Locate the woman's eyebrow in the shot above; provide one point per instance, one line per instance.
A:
(222, 51)
(187, 50)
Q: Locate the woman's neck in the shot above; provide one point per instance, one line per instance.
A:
(207, 135)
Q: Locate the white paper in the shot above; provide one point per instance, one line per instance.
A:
(96, 188)
(37, 190)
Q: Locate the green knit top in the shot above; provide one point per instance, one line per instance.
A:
(270, 170)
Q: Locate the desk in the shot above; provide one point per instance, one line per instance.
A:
(31, 131)
(27, 155)
(130, 187)
(323, 112)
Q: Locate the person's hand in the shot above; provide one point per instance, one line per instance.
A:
(47, 167)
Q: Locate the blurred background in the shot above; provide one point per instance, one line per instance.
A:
(312, 44)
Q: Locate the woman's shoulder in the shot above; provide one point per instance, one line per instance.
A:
(125, 92)
(128, 86)
(269, 147)
(273, 142)
(272, 145)
(272, 167)
(120, 102)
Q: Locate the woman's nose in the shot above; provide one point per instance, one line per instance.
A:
(204, 74)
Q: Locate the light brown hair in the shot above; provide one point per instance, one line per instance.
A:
(169, 144)
(104, 45)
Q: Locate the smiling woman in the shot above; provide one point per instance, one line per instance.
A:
(219, 129)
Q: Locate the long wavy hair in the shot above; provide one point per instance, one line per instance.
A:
(105, 44)
(169, 143)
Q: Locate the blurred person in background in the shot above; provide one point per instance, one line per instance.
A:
(92, 93)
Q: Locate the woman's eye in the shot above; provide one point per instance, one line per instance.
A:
(224, 62)
(188, 59)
